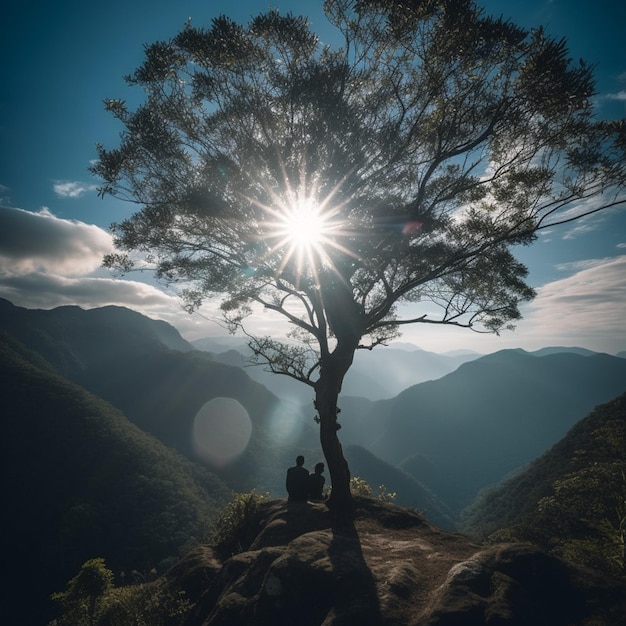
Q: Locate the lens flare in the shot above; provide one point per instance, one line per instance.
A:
(221, 431)
(286, 422)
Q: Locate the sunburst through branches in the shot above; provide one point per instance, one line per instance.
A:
(303, 231)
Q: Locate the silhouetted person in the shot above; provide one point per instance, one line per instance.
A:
(298, 481)
(316, 483)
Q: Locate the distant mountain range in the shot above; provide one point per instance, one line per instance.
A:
(470, 422)
(475, 420)
(374, 375)
(492, 415)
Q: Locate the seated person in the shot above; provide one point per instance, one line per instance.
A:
(297, 482)
(316, 483)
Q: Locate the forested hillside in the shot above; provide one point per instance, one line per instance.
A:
(73, 339)
(145, 369)
(571, 500)
(79, 481)
(100, 442)
(471, 428)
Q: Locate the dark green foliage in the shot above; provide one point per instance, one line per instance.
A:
(83, 593)
(80, 480)
(237, 524)
(145, 603)
(91, 599)
(571, 499)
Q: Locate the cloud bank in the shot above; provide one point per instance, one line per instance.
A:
(47, 262)
(40, 242)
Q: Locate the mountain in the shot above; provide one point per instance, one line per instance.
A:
(375, 374)
(168, 395)
(71, 338)
(79, 481)
(492, 415)
(572, 499)
(409, 492)
(557, 350)
(162, 384)
(473, 426)
(98, 416)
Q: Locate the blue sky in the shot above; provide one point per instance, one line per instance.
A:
(62, 59)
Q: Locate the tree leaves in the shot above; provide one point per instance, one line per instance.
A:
(435, 137)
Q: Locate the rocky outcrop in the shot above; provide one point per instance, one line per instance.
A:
(387, 567)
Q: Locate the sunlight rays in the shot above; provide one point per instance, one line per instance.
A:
(303, 230)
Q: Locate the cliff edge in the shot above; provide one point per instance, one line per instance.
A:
(388, 566)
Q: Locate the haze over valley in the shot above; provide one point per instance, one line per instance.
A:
(437, 443)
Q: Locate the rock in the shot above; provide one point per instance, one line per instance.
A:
(388, 567)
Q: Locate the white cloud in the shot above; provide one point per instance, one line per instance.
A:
(583, 264)
(72, 189)
(41, 242)
(620, 96)
(41, 290)
(47, 262)
(585, 309)
(5, 195)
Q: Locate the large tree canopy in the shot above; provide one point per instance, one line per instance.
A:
(331, 184)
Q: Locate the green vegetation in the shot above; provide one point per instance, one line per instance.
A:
(236, 525)
(572, 500)
(84, 592)
(79, 479)
(91, 599)
(360, 487)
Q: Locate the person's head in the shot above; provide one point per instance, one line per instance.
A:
(300, 460)
(319, 468)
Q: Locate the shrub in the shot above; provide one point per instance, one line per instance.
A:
(237, 524)
(90, 599)
(146, 604)
(360, 487)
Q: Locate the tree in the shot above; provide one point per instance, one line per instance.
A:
(330, 185)
(83, 591)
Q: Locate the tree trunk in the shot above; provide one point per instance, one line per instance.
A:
(327, 388)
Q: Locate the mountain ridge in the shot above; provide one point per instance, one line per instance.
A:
(162, 388)
(80, 480)
(580, 478)
(474, 442)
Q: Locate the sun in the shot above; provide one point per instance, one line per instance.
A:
(302, 231)
(304, 225)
